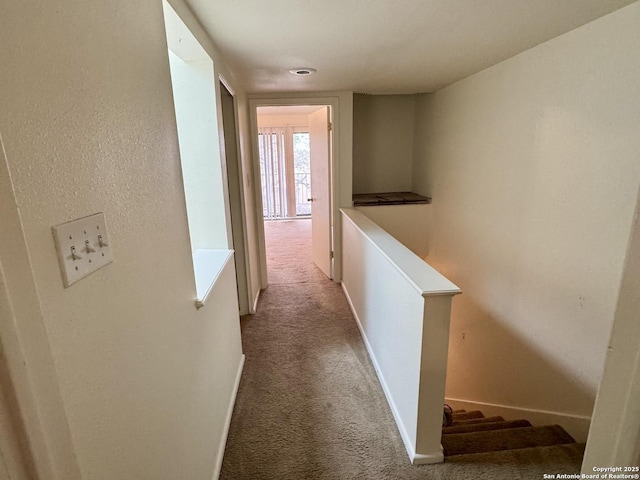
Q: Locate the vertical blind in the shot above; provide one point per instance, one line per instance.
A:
(277, 171)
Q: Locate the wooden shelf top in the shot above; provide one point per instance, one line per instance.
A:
(388, 198)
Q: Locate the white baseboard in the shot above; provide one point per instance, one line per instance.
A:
(227, 420)
(419, 459)
(415, 458)
(576, 425)
(254, 309)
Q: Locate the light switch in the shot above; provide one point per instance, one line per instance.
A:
(83, 247)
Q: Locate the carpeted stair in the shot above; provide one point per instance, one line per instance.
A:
(474, 438)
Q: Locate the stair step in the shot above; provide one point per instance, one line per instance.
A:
(467, 415)
(511, 438)
(484, 426)
(565, 458)
(477, 420)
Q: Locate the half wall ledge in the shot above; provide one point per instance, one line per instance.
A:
(402, 307)
(208, 264)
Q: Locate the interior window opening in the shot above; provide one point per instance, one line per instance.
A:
(196, 110)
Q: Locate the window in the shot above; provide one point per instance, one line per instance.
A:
(302, 171)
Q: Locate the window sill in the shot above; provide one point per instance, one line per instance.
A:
(207, 267)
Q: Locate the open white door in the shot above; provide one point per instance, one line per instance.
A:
(319, 143)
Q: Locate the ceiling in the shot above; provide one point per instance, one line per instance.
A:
(381, 46)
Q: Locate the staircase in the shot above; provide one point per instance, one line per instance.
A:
(474, 438)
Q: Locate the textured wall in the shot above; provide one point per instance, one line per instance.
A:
(533, 169)
(88, 125)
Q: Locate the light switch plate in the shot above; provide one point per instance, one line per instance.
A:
(83, 247)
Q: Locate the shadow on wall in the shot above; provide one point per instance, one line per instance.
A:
(530, 329)
(490, 363)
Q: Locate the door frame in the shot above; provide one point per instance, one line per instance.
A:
(35, 391)
(15, 457)
(235, 191)
(334, 168)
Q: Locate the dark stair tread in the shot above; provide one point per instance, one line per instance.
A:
(477, 420)
(511, 438)
(568, 454)
(484, 426)
(467, 415)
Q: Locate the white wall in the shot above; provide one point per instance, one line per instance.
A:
(383, 127)
(533, 169)
(614, 438)
(409, 224)
(243, 130)
(402, 307)
(26, 349)
(146, 380)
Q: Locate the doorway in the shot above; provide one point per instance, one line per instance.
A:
(234, 183)
(285, 161)
(293, 145)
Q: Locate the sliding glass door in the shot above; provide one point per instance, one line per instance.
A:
(285, 171)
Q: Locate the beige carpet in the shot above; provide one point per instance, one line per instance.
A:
(309, 404)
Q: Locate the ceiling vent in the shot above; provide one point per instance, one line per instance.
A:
(302, 72)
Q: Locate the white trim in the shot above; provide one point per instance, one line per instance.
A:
(420, 459)
(27, 350)
(241, 251)
(257, 194)
(227, 85)
(613, 438)
(576, 425)
(227, 421)
(14, 450)
(332, 100)
(208, 264)
(255, 302)
(406, 439)
(420, 275)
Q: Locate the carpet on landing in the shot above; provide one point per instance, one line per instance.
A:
(310, 406)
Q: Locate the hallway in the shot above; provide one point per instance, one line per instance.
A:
(304, 407)
(309, 405)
